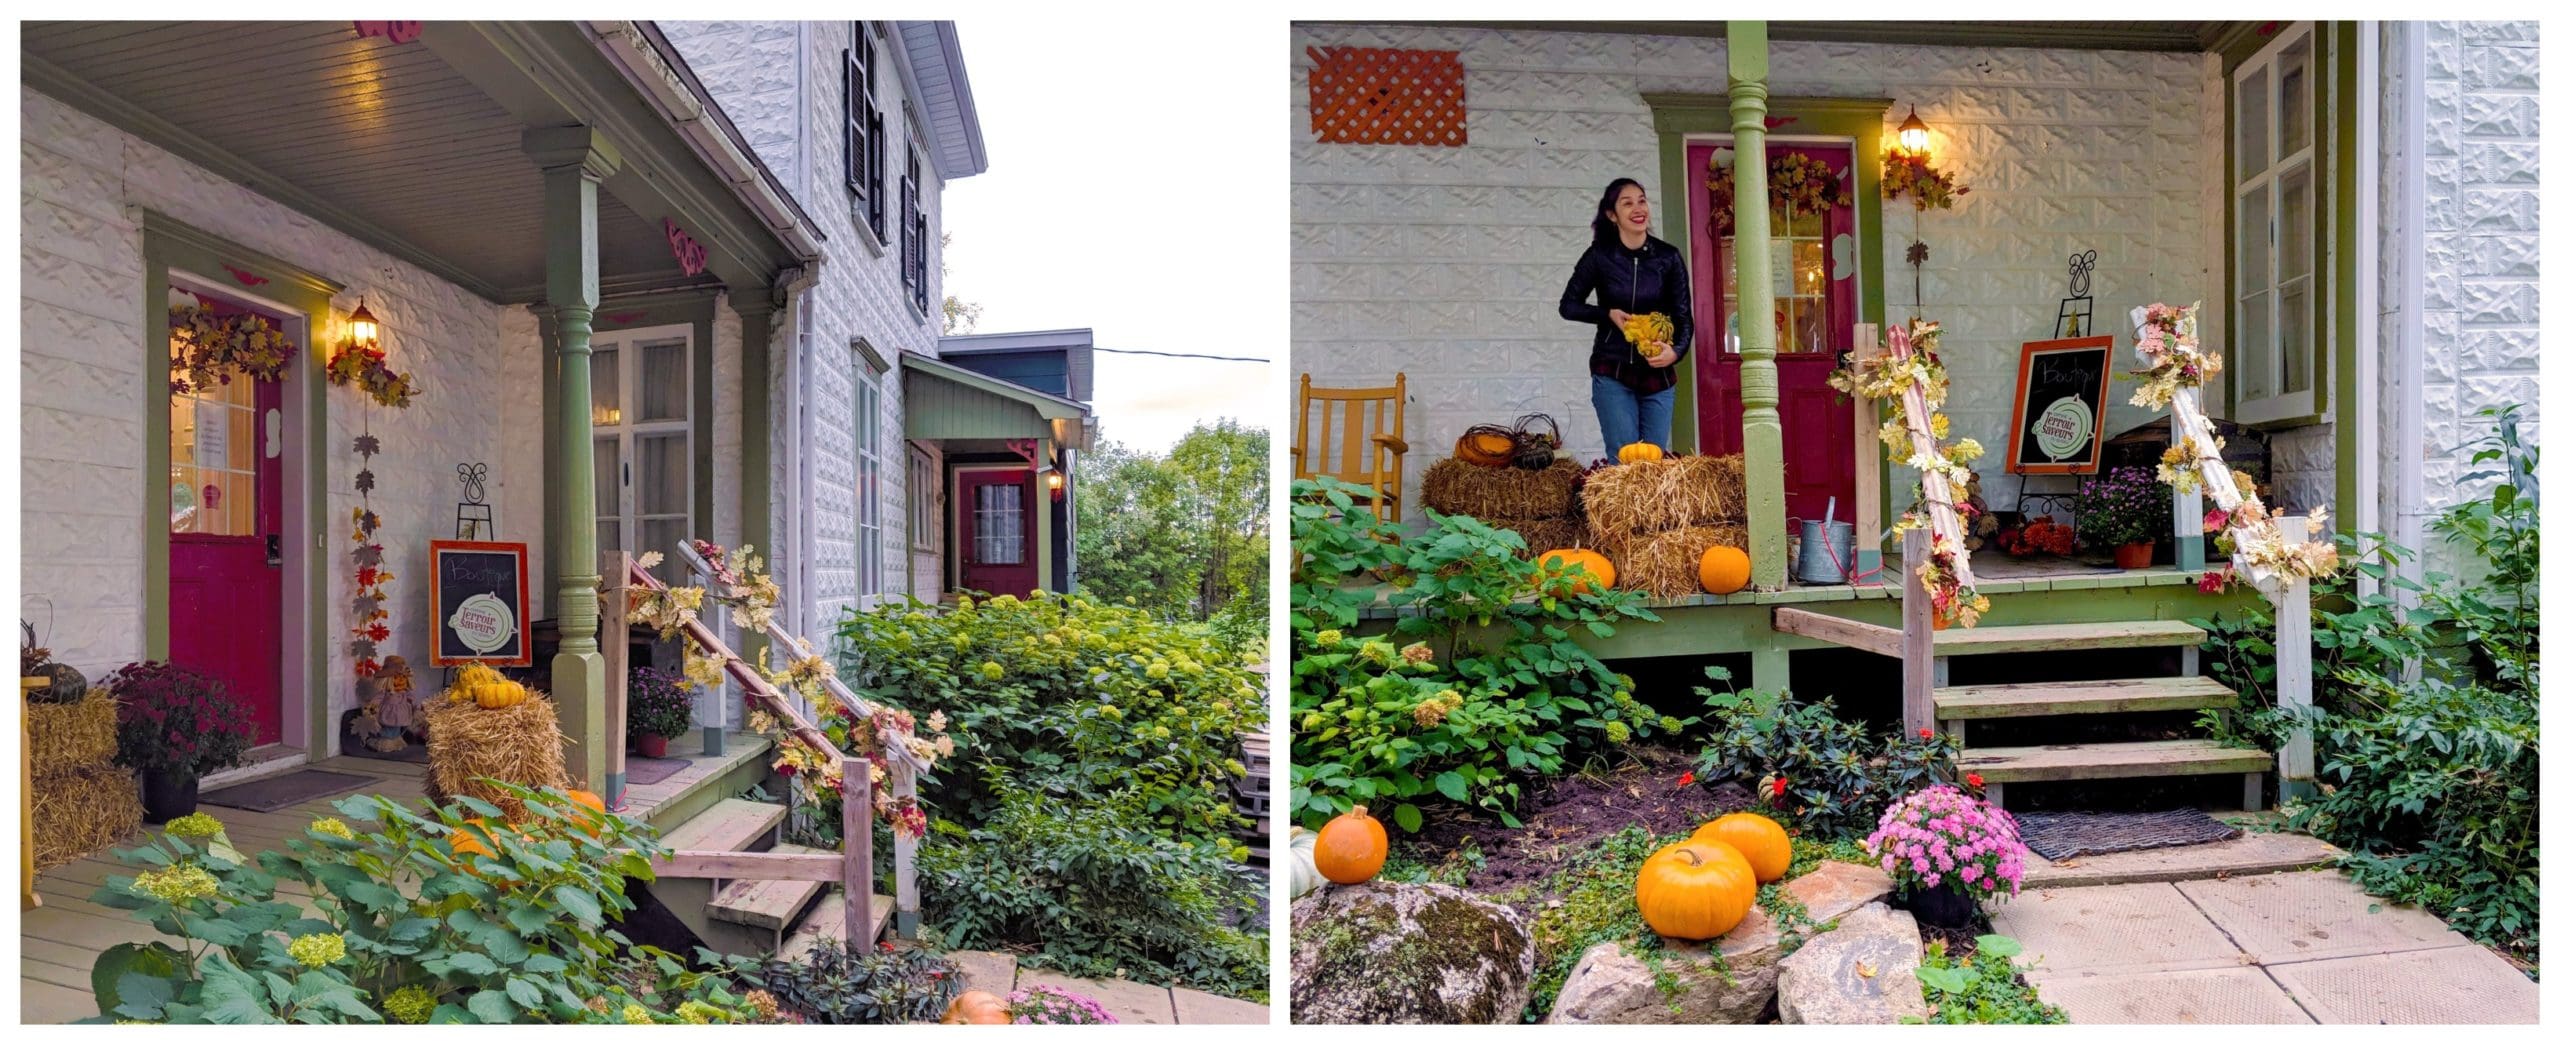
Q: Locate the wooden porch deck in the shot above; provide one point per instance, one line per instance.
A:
(59, 941)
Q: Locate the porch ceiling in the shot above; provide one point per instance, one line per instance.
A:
(390, 143)
(2111, 36)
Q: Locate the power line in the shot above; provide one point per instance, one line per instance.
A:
(1181, 355)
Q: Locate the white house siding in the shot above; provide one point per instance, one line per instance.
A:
(1445, 263)
(782, 84)
(2483, 251)
(84, 185)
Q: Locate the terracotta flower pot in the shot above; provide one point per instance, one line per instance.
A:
(650, 745)
(167, 796)
(2134, 556)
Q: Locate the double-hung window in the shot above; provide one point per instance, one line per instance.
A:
(868, 487)
(642, 409)
(917, 257)
(924, 501)
(2277, 304)
(864, 144)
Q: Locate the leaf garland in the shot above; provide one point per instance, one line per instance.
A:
(1909, 372)
(1796, 180)
(1908, 173)
(369, 371)
(2179, 367)
(371, 625)
(212, 349)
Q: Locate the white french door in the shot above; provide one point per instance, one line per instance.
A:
(643, 415)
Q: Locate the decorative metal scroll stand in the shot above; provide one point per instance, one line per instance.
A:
(472, 518)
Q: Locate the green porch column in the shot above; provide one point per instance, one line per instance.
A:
(756, 307)
(574, 161)
(1763, 462)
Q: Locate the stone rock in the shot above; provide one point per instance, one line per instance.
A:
(1862, 972)
(1390, 952)
(1725, 980)
(1837, 888)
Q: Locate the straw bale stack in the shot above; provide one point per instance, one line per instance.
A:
(468, 744)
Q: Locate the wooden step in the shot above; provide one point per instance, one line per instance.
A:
(732, 825)
(2143, 758)
(767, 905)
(2029, 699)
(827, 920)
(2051, 638)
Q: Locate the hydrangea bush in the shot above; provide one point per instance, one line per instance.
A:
(1941, 835)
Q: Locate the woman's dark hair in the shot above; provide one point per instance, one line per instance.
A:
(1606, 224)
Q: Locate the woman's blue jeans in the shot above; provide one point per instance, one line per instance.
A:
(1626, 417)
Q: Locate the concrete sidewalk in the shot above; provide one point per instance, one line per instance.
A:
(1126, 1000)
(2298, 947)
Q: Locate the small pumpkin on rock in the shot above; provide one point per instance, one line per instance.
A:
(1696, 890)
(1303, 878)
(978, 1007)
(1352, 848)
(1762, 843)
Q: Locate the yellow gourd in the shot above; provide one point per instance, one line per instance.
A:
(1634, 452)
(500, 694)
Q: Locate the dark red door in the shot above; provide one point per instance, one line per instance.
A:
(1813, 262)
(226, 575)
(997, 532)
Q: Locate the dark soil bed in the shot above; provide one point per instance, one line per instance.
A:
(1644, 788)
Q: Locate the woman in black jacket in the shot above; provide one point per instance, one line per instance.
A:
(1632, 385)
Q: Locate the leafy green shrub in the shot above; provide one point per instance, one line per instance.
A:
(1983, 987)
(1478, 683)
(832, 985)
(1090, 884)
(401, 929)
(2424, 721)
(1830, 777)
(1074, 696)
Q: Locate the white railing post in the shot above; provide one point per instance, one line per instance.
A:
(1868, 468)
(2296, 772)
(902, 853)
(857, 855)
(2186, 515)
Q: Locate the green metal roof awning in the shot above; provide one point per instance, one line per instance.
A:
(952, 402)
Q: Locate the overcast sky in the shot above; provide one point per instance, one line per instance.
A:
(1103, 206)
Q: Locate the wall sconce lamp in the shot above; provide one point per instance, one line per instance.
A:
(1057, 485)
(1915, 134)
(363, 328)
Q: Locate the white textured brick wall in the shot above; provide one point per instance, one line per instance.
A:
(2483, 250)
(83, 188)
(756, 70)
(1446, 263)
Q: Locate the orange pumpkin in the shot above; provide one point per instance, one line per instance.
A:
(978, 1007)
(1634, 452)
(1762, 843)
(1696, 890)
(1602, 572)
(1723, 570)
(1490, 446)
(1351, 848)
(591, 821)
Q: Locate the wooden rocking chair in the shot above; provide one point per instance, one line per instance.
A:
(1371, 449)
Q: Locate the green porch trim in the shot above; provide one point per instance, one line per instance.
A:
(2352, 427)
(695, 308)
(168, 243)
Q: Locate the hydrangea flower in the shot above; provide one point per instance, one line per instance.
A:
(412, 1004)
(333, 827)
(177, 886)
(1939, 833)
(633, 1013)
(317, 949)
(194, 825)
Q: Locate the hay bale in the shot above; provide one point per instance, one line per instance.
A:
(81, 810)
(468, 744)
(1454, 487)
(81, 734)
(1543, 535)
(1666, 564)
(1623, 501)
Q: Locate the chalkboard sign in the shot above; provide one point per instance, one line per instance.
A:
(478, 593)
(2060, 418)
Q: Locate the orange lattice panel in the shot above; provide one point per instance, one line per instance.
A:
(1386, 96)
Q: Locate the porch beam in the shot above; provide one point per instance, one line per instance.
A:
(574, 161)
(756, 308)
(1763, 448)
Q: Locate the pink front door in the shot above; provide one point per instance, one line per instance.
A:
(226, 542)
(998, 550)
(1813, 262)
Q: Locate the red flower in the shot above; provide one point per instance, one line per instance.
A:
(1686, 779)
(2211, 583)
(1779, 788)
(1926, 733)
(886, 947)
(2216, 519)
(1974, 779)
(786, 769)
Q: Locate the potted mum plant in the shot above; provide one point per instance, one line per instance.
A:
(661, 710)
(1948, 852)
(2123, 512)
(173, 726)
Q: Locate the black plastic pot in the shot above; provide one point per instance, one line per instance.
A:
(167, 796)
(1944, 905)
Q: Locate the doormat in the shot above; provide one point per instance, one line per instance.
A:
(415, 752)
(637, 769)
(286, 789)
(2064, 836)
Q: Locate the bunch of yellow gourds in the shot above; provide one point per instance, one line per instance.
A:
(482, 685)
(1649, 329)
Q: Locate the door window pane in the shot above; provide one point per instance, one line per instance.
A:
(2250, 146)
(608, 478)
(604, 379)
(2294, 223)
(2293, 98)
(2296, 336)
(2253, 348)
(213, 459)
(662, 536)
(998, 524)
(665, 381)
(659, 485)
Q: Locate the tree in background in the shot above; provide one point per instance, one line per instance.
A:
(1188, 529)
(958, 317)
